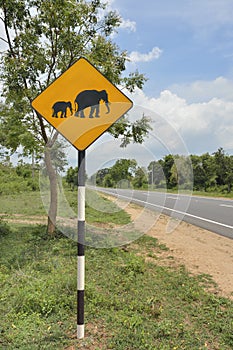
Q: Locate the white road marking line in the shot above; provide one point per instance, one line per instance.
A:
(226, 205)
(176, 211)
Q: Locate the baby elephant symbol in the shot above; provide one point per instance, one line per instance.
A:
(90, 98)
(61, 106)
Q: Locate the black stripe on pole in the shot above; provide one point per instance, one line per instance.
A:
(81, 245)
(80, 297)
(81, 168)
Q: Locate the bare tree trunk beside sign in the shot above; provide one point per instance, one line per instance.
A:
(52, 213)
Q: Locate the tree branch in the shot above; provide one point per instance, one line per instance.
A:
(42, 127)
(8, 41)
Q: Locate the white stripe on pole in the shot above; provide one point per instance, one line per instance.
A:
(81, 272)
(80, 331)
(81, 203)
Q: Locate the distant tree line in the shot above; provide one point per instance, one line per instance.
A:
(124, 173)
(206, 172)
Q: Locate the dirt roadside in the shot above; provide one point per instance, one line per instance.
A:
(199, 250)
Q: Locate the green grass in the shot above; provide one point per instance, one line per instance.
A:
(98, 208)
(28, 203)
(131, 302)
(213, 194)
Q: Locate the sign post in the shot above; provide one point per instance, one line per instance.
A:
(81, 245)
(81, 105)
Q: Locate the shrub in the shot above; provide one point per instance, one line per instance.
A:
(4, 228)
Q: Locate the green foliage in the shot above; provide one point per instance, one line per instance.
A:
(18, 179)
(135, 79)
(120, 174)
(209, 173)
(167, 163)
(43, 39)
(123, 169)
(99, 177)
(72, 177)
(131, 131)
(140, 179)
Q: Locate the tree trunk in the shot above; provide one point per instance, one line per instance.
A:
(52, 214)
(33, 165)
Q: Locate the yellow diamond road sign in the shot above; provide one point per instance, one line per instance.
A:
(81, 104)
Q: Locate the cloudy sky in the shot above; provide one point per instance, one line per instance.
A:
(185, 49)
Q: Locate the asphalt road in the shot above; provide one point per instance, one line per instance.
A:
(213, 214)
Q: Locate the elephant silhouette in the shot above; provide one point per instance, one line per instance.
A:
(61, 106)
(90, 98)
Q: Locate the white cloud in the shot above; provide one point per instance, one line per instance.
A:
(204, 17)
(200, 91)
(179, 127)
(204, 126)
(128, 25)
(136, 56)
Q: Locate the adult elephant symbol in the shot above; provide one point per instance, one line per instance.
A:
(61, 107)
(90, 98)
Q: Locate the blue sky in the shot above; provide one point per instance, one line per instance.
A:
(185, 48)
(195, 37)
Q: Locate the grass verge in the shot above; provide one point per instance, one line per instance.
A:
(98, 208)
(131, 301)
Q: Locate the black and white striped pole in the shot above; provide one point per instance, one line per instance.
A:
(81, 245)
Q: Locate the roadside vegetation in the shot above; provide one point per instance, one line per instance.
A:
(41, 40)
(132, 300)
(207, 174)
(21, 178)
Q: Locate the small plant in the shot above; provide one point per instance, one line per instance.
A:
(4, 228)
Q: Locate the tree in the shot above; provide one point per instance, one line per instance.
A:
(72, 177)
(156, 175)
(221, 166)
(198, 173)
(123, 170)
(181, 172)
(99, 178)
(224, 169)
(108, 181)
(43, 38)
(140, 179)
(167, 163)
(209, 168)
(229, 173)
